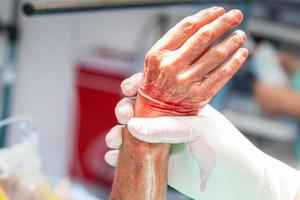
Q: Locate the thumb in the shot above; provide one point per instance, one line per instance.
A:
(166, 129)
(130, 85)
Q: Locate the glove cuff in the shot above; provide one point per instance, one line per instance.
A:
(283, 181)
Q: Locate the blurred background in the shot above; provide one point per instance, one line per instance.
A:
(63, 70)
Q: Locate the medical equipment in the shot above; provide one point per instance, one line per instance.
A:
(62, 7)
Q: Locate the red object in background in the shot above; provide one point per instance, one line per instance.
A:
(98, 79)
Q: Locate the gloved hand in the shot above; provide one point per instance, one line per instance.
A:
(210, 159)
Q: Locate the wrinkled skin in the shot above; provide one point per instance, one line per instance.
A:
(183, 71)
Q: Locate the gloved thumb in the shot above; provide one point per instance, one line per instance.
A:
(167, 129)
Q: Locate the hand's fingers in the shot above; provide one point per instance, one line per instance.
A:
(114, 138)
(124, 110)
(175, 37)
(111, 157)
(220, 76)
(215, 56)
(130, 85)
(166, 129)
(196, 45)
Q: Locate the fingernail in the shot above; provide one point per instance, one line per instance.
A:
(108, 140)
(216, 8)
(128, 87)
(111, 158)
(219, 9)
(241, 34)
(206, 36)
(244, 52)
(237, 14)
(113, 144)
(124, 113)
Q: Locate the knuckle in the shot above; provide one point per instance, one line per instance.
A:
(123, 108)
(211, 14)
(148, 57)
(227, 71)
(234, 42)
(117, 110)
(235, 62)
(129, 86)
(188, 25)
(236, 39)
(206, 36)
(218, 53)
(152, 58)
(239, 37)
(169, 62)
(164, 66)
(228, 20)
(206, 12)
(222, 74)
(124, 85)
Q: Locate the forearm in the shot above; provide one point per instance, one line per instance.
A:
(291, 105)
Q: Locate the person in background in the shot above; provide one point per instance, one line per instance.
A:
(280, 100)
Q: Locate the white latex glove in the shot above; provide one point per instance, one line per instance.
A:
(210, 158)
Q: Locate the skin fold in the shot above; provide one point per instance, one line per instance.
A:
(183, 71)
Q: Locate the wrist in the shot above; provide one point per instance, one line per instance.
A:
(153, 107)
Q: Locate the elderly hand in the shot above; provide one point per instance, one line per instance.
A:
(210, 159)
(183, 71)
(188, 66)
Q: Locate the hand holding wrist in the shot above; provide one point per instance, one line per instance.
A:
(210, 158)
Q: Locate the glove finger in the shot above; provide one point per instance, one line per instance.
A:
(111, 157)
(114, 138)
(177, 129)
(130, 85)
(167, 129)
(124, 110)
